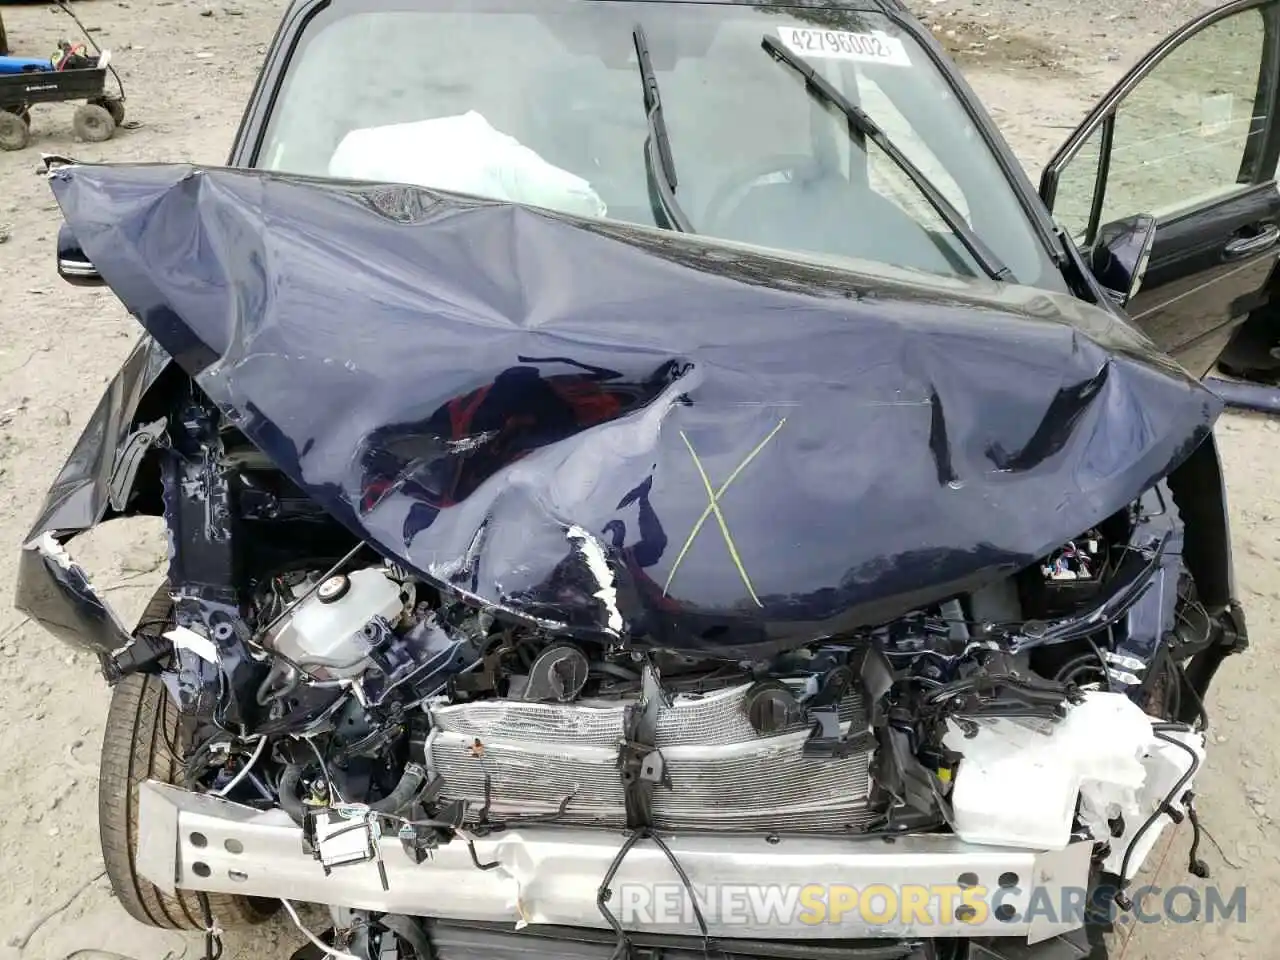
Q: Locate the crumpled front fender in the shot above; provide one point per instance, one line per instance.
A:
(97, 482)
(55, 592)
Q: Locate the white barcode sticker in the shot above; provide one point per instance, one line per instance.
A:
(841, 45)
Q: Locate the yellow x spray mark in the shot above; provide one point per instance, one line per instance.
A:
(713, 506)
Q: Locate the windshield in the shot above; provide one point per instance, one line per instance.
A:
(547, 102)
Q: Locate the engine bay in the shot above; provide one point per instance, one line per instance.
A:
(375, 707)
(381, 691)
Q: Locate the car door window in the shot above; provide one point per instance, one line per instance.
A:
(1184, 136)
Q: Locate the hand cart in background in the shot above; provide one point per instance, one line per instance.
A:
(71, 75)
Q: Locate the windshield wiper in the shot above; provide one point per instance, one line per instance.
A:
(657, 147)
(818, 86)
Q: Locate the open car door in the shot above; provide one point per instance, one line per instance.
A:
(1190, 138)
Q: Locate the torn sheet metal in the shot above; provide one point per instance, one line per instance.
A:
(598, 564)
(51, 589)
(469, 380)
(59, 590)
(80, 496)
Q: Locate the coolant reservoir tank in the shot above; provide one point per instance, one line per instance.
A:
(325, 631)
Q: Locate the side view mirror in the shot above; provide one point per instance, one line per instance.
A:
(1120, 255)
(73, 266)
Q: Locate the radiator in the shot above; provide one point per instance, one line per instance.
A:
(724, 776)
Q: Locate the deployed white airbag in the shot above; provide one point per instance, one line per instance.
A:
(1018, 787)
(462, 154)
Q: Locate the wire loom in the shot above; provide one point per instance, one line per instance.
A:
(604, 894)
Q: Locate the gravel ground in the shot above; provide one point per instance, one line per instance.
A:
(188, 67)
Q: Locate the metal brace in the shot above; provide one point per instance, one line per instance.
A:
(640, 763)
(125, 469)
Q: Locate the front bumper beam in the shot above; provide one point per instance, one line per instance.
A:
(549, 875)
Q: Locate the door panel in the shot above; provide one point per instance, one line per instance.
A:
(1200, 284)
(1189, 137)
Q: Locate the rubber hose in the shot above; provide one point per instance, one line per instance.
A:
(290, 801)
(267, 690)
(411, 782)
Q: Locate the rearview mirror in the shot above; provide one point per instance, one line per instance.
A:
(73, 266)
(1120, 255)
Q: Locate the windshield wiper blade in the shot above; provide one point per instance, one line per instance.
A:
(658, 145)
(819, 87)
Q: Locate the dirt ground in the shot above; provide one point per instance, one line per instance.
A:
(188, 67)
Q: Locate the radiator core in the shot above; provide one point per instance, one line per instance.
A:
(724, 776)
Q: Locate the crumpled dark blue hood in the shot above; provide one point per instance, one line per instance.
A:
(618, 431)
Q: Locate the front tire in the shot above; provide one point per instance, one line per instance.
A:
(144, 740)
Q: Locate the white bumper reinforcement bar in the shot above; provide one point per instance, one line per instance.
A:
(748, 887)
